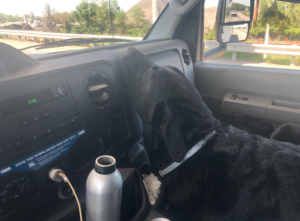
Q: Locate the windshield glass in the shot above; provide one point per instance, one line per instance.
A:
(37, 22)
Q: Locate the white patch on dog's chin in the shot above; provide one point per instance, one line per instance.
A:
(152, 185)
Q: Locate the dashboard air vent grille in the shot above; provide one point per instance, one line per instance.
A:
(186, 56)
(99, 90)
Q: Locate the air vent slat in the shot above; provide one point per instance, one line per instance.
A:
(99, 90)
(186, 56)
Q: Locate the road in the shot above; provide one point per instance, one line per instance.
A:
(240, 17)
(240, 34)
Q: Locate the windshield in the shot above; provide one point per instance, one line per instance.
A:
(37, 22)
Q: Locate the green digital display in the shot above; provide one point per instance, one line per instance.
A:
(33, 101)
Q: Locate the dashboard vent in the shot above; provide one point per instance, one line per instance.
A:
(99, 90)
(186, 56)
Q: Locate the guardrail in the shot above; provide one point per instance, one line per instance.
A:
(290, 50)
(52, 36)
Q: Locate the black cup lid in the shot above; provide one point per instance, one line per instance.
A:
(105, 165)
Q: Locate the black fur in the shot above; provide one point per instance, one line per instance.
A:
(287, 133)
(235, 176)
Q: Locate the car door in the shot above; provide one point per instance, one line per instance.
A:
(252, 96)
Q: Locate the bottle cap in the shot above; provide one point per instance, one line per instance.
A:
(105, 164)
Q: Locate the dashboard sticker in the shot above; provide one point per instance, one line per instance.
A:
(44, 156)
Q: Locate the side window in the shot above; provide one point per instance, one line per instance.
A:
(210, 12)
(275, 30)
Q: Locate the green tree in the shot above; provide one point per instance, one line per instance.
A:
(138, 25)
(10, 18)
(290, 10)
(137, 16)
(3, 17)
(211, 34)
(293, 31)
(106, 15)
(17, 18)
(85, 12)
(121, 22)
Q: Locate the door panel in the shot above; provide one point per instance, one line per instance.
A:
(265, 97)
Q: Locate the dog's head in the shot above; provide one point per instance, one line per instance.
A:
(173, 113)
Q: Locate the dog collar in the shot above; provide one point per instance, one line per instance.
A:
(188, 155)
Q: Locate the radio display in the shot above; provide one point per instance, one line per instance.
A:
(23, 102)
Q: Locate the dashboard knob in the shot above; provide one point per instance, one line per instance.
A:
(62, 89)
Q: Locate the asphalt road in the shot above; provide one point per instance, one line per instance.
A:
(240, 17)
(240, 34)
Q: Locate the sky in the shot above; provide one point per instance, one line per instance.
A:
(13, 7)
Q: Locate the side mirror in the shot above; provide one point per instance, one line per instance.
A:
(233, 20)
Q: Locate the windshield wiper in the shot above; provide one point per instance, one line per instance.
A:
(76, 41)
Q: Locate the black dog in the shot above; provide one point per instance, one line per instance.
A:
(234, 176)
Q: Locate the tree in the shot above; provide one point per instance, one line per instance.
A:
(138, 25)
(137, 15)
(49, 17)
(10, 18)
(106, 16)
(63, 17)
(293, 31)
(121, 21)
(85, 12)
(290, 10)
(263, 7)
(3, 18)
(17, 18)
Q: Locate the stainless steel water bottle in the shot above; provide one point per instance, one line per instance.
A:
(104, 191)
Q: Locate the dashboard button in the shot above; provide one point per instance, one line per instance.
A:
(71, 120)
(3, 193)
(34, 119)
(62, 124)
(62, 89)
(26, 140)
(75, 119)
(8, 186)
(10, 147)
(24, 122)
(40, 134)
(48, 131)
(55, 127)
(44, 115)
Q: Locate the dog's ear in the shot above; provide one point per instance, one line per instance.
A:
(156, 114)
(173, 135)
(174, 138)
(169, 125)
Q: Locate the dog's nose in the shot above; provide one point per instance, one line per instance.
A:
(130, 50)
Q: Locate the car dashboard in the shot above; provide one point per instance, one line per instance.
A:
(63, 111)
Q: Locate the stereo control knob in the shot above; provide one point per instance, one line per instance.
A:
(62, 89)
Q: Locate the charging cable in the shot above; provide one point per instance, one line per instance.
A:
(58, 175)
